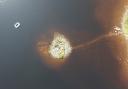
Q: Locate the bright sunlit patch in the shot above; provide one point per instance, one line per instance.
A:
(117, 30)
(60, 47)
(125, 23)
